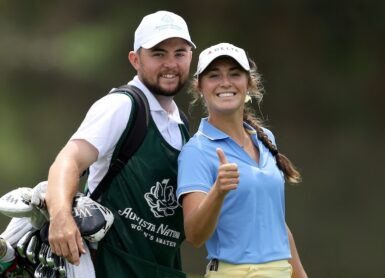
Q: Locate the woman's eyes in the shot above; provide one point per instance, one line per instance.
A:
(236, 73)
(231, 74)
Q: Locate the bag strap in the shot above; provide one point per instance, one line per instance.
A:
(184, 119)
(133, 138)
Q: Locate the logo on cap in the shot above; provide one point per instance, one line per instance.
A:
(226, 48)
(222, 49)
(168, 20)
(157, 27)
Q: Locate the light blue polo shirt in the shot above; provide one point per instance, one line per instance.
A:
(251, 226)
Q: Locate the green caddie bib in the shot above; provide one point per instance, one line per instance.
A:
(145, 238)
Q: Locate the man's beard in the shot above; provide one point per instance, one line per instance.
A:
(157, 90)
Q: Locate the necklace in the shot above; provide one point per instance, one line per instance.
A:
(244, 142)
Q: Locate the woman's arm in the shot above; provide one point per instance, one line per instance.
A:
(201, 211)
(298, 270)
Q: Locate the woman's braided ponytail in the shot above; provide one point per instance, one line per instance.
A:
(284, 164)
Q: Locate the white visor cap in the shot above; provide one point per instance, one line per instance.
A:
(222, 49)
(157, 27)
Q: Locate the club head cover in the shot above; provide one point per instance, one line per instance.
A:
(16, 229)
(38, 194)
(15, 203)
(92, 219)
(39, 215)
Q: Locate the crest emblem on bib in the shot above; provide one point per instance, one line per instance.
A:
(161, 199)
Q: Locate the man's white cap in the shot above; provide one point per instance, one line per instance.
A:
(222, 49)
(157, 27)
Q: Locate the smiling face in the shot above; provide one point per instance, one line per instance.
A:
(164, 69)
(224, 84)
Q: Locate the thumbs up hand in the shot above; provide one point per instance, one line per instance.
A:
(228, 175)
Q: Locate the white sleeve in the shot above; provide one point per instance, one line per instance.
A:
(105, 122)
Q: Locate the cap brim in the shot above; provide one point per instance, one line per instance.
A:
(212, 58)
(159, 39)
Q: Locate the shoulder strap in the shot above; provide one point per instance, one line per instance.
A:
(184, 119)
(133, 138)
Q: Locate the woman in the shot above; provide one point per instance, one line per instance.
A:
(231, 176)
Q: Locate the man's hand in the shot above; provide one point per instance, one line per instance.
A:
(228, 174)
(64, 237)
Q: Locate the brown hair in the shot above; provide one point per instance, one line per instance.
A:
(255, 88)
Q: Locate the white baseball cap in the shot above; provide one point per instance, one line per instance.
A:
(222, 49)
(157, 27)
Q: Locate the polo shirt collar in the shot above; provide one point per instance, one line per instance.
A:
(213, 133)
(153, 102)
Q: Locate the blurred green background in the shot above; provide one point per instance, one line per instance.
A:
(323, 69)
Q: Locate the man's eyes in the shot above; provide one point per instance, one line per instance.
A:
(213, 75)
(162, 54)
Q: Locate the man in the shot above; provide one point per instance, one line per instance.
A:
(145, 238)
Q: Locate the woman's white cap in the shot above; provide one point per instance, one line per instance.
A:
(157, 27)
(222, 49)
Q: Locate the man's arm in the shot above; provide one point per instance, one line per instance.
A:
(63, 183)
(298, 270)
